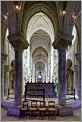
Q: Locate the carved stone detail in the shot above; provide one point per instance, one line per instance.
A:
(17, 41)
(62, 41)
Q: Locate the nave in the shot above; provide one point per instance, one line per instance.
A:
(41, 59)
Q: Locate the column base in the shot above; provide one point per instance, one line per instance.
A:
(65, 111)
(13, 111)
(62, 103)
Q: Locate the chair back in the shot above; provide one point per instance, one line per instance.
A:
(42, 103)
(25, 104)
(51, 104)
(33, 103)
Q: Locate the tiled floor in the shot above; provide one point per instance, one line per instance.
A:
(75, 117)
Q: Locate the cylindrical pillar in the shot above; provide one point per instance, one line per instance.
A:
(79, 81)
(33, 73)
(78, 57)
(2, 80)
(18, 78)
(61, 43)
(7, 81)
(19, 43)
(3, 59)
(76, 78)
(62, 76)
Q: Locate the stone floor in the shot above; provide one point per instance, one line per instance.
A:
(70, 102)
(75, 117)
(11, 99)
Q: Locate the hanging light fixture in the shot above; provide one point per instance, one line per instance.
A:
(17, 7)
(6, 16)
(74, 16)
(62, 13)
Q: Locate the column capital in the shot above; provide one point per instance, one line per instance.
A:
(78, 56)
(3, 57)
(62, 41)
(18, 42)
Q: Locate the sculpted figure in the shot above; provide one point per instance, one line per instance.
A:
(69, 76)
(12, 74)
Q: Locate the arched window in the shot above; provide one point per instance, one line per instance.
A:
(74, 34)
(7, 32)
(9, 49)
(71, 50)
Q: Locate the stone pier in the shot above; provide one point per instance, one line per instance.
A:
(61, 44)
(19, 44)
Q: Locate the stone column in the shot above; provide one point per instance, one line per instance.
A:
(78, 57)
(6, 68)
(18, 77)
(76, 83)
(61, 45)
(3, 58)
(19, 44)
(62, 76)
(46, 69)
(33, 73)
(2, 80)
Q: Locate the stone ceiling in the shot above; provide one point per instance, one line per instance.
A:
(50, 8)
(40, 39)
(40, 66)
(40, 21)
(46, 24)
(40, 47)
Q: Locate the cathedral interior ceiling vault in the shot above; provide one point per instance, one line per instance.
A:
(51, 9)
(38, 7)
(40, 21)
(40, 51)
(40, 58)
(38, 41)
(39, 66)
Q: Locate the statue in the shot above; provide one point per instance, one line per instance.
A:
(12, 74)
(11, 78)
(69, 76)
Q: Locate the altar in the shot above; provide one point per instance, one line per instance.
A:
(40, 90)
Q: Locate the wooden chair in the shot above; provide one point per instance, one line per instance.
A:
(51, 109)
(25, 104)
(51, 104)
(23, 112)
(32, 109)
(42, 109)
